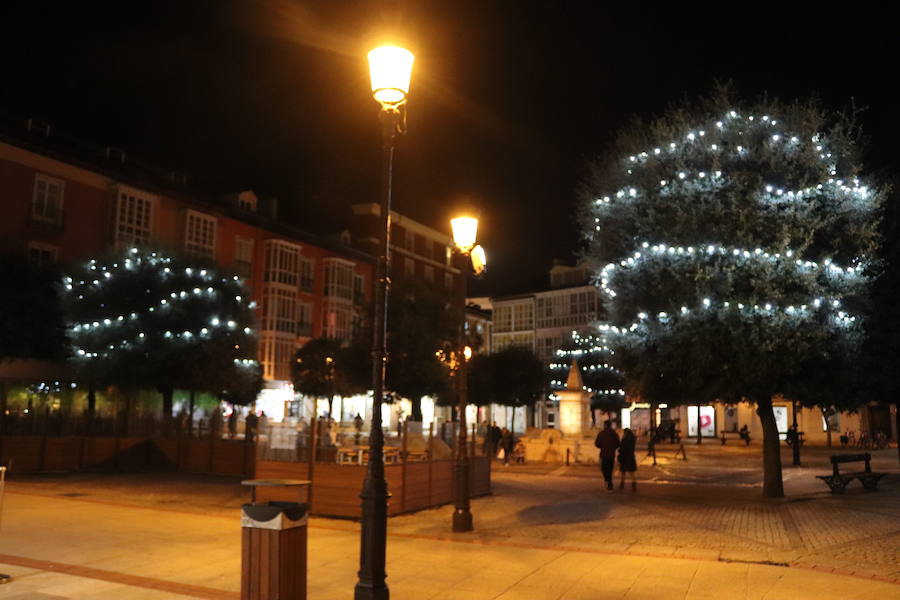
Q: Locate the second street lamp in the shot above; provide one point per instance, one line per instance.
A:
(470, 259)
(390, 68)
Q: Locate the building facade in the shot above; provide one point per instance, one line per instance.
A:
(65, 204)
(541, 321)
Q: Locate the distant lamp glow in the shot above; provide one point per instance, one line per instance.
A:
(390, 69)
(467, 352)
(479, 260)
(464, 232)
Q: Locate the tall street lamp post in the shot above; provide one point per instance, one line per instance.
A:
(470, 259)
(390, 69)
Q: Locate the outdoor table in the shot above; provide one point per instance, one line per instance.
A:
(255, 483)
(349, 455)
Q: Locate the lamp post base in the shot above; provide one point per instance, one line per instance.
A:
(462, 521)
(462, 515)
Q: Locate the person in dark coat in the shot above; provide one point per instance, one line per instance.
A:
(507, 442)
(627, 461)
(607, 440)
(496, 434)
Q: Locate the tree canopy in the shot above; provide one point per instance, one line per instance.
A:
(32, 322)
(511, 377)
(733, 243)
(324, 368)
(157, 320)
(423, 325)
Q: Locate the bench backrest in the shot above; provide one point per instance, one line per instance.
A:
(846, 458)
(843, 458)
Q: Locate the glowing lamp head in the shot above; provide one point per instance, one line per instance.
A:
(390, 69)
(467, 352)
(479, 260)
(464, 232)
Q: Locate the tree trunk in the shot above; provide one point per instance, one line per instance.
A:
(827, 424)
(167, 394)
(416, 410)
(897, 419)
(190, 423)
(699, 426)
(773, 486)
(2, 404)
(126, 416)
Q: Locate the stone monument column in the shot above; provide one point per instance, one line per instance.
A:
(574, 405)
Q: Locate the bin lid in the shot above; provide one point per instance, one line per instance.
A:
(269, 510)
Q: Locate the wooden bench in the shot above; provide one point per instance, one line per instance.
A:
(723, 438)
(837, 481)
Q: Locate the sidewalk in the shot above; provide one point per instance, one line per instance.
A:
(538, 537)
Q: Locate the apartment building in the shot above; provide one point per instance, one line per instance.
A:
(66, 201)
(540, 321)
(417, 250)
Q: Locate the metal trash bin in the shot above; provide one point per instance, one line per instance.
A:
(273, 551)
(273, 542)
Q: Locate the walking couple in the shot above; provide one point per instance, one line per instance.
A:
(608, 441)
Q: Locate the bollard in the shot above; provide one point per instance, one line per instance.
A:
(273, 545)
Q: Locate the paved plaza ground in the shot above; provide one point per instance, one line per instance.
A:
(694, 529)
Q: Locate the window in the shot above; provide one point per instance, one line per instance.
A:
(47, 202)
(304, 319)
(429, 274)
(359, 295)
(282, 263)
(279, 310)
(42, 254)
(338, 279)
(502, 319)
(306, 275)
(200, 234)
(243, 256)
(523, 315)
(277, 354)
(247, 202)
(337, 319)
(133, 220)
(409, 267)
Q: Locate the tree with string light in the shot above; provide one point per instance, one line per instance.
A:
(146, 319)
(733, 245)
(594, 357)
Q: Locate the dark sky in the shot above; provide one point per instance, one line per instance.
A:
(508, 98)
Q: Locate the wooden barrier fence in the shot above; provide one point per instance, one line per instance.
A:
(34, 454)
(335, 488)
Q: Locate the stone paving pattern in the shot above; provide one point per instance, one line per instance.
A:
(698, 529)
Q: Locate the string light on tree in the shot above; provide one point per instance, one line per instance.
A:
(732, 247)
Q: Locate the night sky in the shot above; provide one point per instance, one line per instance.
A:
(508, 98)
